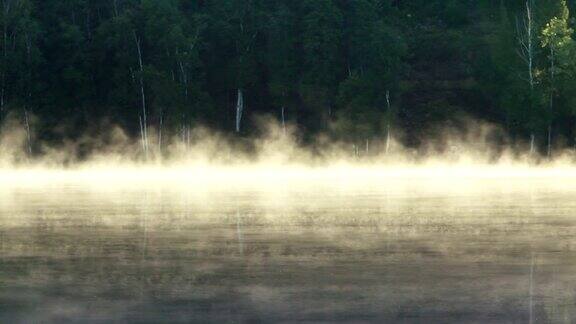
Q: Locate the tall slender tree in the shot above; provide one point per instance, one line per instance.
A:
(556, 37)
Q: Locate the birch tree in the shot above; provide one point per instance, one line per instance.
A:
(144, 113)
(6, 23)
(556, 37)
(237, 25)
(20, 58)
(189, 72)
(124, 40)
(526, 33)
(282, 60)
(331, 65)
(374, 54)
(168, 71)
(245, 42)
(31, 34)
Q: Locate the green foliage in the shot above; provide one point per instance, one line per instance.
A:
(557, 37)
(455, 12)
(329, 63)
(321, 43)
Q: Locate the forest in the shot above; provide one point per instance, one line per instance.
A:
(355, 70)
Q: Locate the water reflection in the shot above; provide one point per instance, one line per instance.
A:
(400, 250)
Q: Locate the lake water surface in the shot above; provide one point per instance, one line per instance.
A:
(376, 250)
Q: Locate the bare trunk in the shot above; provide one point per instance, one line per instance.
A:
(142, 95)
(2, 92)
(4, 54)
(532, 145)
(529, 46)
(185, 135)
(574, 139)
(389, 106)
(239, 110)
(388, 139)
(144, 122)
(2, 95)
(184, 79)
(549, 151)
(160, 132)
(88, 28)
(283, 121)
(115, 5)
(182, 133)
(526, 52)
(132, 75)
(28, 134)
(367, 146)
(530, 51)
(142, 138)
(182, 129)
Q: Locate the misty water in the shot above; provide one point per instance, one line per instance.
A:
(404, 250)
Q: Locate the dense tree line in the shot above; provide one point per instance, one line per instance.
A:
(357, 70)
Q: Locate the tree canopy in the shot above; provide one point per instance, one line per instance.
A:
(352, 69)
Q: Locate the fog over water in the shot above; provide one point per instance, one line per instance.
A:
(244, 245)
(281, 161)
(273, 232)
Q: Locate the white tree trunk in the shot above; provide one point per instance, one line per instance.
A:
(388, 122)
(575, 139)
(387, 139)
(182, 131)
(2, 96)
(549, 150)
(525, 36)
(28, 134)
(184, 79)
(142, 95)
(530, 43)
(160, 132)
(142, 138)
(283, 121)
(239, 110)
(115, 5)
(552, 81)
(525, 39)
(4, 54)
